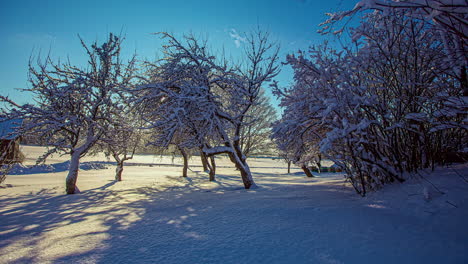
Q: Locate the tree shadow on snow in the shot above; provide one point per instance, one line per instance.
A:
(207, 227)
(186, 224)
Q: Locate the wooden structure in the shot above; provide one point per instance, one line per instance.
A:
(10, 142)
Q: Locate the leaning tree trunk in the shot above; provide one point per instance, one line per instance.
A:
(119, 170)
(307, 171)
(70, 183)
(246, 176)
(244, 169)
(212, 168)
(185, 156)
(242, 166)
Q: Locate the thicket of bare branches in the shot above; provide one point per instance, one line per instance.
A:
(389, 104)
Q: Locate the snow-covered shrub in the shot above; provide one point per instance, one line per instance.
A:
(386, 104)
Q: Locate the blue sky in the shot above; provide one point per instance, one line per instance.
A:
(42, 27)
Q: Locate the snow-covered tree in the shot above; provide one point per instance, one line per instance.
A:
(255, 134)
(387, 104)
(122, 138)
(185, 98)
(449, 18)
(75, 106)
(291, 145)
(295, 134)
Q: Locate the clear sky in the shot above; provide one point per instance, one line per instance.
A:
(33, 27)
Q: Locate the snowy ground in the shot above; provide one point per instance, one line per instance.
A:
(156, 216)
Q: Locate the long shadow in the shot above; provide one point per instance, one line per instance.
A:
(34, 216)
(221, 183)
(105, 186)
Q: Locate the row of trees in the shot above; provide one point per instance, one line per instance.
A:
(190, 100)
(392, 101)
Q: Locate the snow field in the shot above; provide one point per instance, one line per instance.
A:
(156, 216)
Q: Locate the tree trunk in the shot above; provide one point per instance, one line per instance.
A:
(118, 171)
(238, 158)
(307, 171)
(184, 155)
(246, 176)
(204, 161)
(289, 166)
(70, 182)
(319, 163)
(242, 166)
(212, 168)
(244, 169)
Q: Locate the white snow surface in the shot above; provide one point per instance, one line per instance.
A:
(156, 216)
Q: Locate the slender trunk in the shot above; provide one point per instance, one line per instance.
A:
(307, 171)
(204, 161)
(289, 166)
(70, 182)
(319, 163)
(212, 168)
(184, 155)
(211, 165)
(119, 170)
(363, 193)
